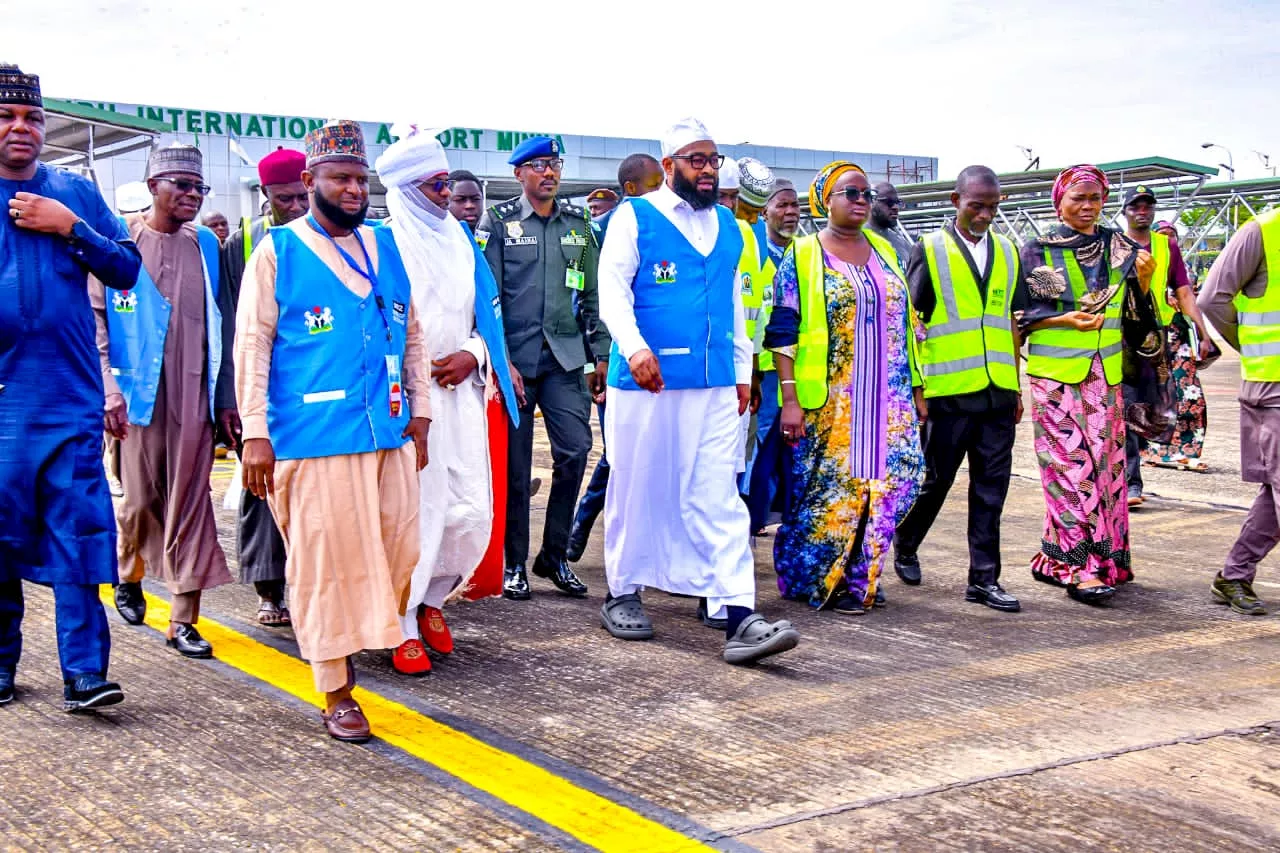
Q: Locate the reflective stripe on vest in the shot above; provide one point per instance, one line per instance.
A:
(813, 345)
(750, 279)
(1259, 317)
(767, 272)
(1065, 355)
(969, 342)
(253, 232)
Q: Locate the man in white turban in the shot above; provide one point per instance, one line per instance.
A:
(679, 380)
(457, 303)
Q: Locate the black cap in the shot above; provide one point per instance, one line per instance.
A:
(1138, 191)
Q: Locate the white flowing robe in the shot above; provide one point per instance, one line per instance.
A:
(456, 504)
(673, 519)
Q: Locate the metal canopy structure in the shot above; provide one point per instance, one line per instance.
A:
(1217, 207)
(76, 136)
(1027, 204)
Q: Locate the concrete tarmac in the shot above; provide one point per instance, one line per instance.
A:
(930, 724)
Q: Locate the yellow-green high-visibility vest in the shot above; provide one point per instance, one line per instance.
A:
(1259, 317)
(253, 231)
(969, 344)
(814, 341)
(1066, 354)
(752, 280)
(1161, 254)
(767, 272)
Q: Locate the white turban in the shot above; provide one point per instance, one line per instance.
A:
(684, 132)
(416, 156)
(729, 174)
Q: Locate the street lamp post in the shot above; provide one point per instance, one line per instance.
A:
(1230, 164)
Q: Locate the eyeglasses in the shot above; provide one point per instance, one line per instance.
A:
(852, 194)
(437, 186)
(541, 164)
(184, 186)
(701, 161)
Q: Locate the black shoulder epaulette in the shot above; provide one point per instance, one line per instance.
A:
(503, 209)
(571, 209)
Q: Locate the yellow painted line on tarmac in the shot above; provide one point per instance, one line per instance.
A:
(587, 816)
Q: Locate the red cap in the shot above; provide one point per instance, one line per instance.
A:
(281, 166)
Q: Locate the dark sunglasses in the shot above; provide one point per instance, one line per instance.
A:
(852, 194)
(437, 186)
(701, 161)
(184, 186)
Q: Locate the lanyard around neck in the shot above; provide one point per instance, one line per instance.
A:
(366, 273)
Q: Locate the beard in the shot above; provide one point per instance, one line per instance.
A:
(335, 214)
(688, 190)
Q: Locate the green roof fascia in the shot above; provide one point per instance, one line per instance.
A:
(1177, 165)
(81, 111)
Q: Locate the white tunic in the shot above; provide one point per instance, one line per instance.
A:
(456, 503)
(672, 516)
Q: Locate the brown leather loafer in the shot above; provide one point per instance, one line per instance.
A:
(347, 723)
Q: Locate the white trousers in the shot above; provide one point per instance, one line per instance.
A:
(672, 516)
(456, 512)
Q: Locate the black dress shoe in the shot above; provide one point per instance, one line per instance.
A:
(993, 596)
(907, 566)
(515, 584)
(87, 692)
(189, 643)
(577, 544)
(130, 603)
(718, 624)
(559, 573)
(1095, 595)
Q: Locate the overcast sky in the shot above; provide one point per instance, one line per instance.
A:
(962, 81)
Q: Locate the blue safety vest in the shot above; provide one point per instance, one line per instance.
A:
(336, 384)
(683, 303)
(138, 324)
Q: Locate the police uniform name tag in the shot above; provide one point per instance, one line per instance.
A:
(573, 279)
(396, 391)
(573, 238)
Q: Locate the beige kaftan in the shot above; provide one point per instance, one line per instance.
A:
(350, 523)
(166, 524)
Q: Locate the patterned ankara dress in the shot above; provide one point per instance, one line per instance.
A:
(1079, 440)
(857, 471)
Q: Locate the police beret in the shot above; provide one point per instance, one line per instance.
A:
(535, 146)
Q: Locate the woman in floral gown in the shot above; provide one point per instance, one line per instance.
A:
(851, 399)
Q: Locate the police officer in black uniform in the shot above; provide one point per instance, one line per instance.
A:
(543, 253)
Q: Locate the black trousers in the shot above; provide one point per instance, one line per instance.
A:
(258, 542)
(986, 438)
(566, 412)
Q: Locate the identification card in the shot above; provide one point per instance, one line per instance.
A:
(573, 279)
(394, 384)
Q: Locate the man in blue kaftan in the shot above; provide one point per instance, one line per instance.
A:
(56, 523)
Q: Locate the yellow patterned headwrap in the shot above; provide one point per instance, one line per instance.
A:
(824, 181)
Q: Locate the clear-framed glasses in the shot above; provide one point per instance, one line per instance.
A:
(542, 164)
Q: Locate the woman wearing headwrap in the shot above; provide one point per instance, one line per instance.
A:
(843, 334)
(1078, 279)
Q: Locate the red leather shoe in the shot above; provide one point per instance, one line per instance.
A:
(435, 633)
(411, 658)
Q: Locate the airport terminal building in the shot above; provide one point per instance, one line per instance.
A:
(233, 143)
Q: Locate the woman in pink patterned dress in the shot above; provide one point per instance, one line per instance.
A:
(1078, 272)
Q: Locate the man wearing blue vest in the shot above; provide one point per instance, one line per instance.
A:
(56, 528)
(260, 548)
(332, 385)
(679, 381)
(161, 348)
(966, 283)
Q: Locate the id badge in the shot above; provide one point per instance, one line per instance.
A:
(573, 279)
(393, 383)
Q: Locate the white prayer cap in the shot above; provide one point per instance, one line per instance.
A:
(132, 197)
(415, 156)
(729, 174)
(684, 132)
